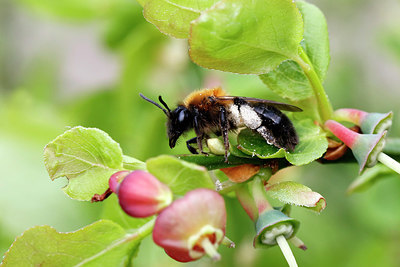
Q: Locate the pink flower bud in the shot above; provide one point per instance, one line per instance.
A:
(365, 147)
(116, 179)
(141, 195)
(192, 226)
(370, 123)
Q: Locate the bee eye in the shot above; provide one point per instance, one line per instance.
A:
(182, 116)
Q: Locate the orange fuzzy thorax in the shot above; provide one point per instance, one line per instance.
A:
(197, 97)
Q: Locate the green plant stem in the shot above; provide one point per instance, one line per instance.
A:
(324, 105)
(392, 146)
(140, 233)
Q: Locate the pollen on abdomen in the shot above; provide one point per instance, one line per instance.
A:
(250, 117)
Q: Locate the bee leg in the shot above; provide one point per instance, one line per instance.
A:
(223, 124)
(189, 147)
(199, 133)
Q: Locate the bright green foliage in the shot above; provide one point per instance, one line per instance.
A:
(289, 80)
(297, 194)
(312, 144)
(316, 38)
(87, 157)
(246, 36)
(99, 244)
(179, 175)
(173, 17)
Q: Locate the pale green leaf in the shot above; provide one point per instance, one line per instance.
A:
(297, 194)
(87, 157)
(99, 244)
(173, 17)
(289, 80)
(246, 36)
(179, 175)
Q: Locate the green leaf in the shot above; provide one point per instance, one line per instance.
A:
(179, 175)
(312, 145)
(212, 162)
(369, 178)
(102, 243)
(246, 36)
(112, 211)
(173, 17)
(289, 80)
(87, 157)
(252, 143)
(130, 163)
(316, 38)
(297, 194)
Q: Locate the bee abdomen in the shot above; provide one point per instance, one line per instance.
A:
(276, 128)
(244, 115)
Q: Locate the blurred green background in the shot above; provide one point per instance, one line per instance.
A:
(68, 62)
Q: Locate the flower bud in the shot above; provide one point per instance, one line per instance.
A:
(192, 226)
(365, 147)
(370, 123)
(271, 224)
(141, 195)
(116, 179)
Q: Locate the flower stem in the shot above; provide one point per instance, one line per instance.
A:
(389, 162)
(324, 105)
(210, 249)
(260, 195)
(287, 252)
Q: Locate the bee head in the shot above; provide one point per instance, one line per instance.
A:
(179, 120)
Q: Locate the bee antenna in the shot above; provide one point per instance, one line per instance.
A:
(156, 104)
(163, 102)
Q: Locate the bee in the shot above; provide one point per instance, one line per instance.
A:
(212, 111)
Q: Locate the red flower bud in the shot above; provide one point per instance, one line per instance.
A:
(370, 123)
(116, 179)
(192, 226)
(365, 147)
(141, 195)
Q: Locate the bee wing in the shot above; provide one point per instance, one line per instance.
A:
(250, 100)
